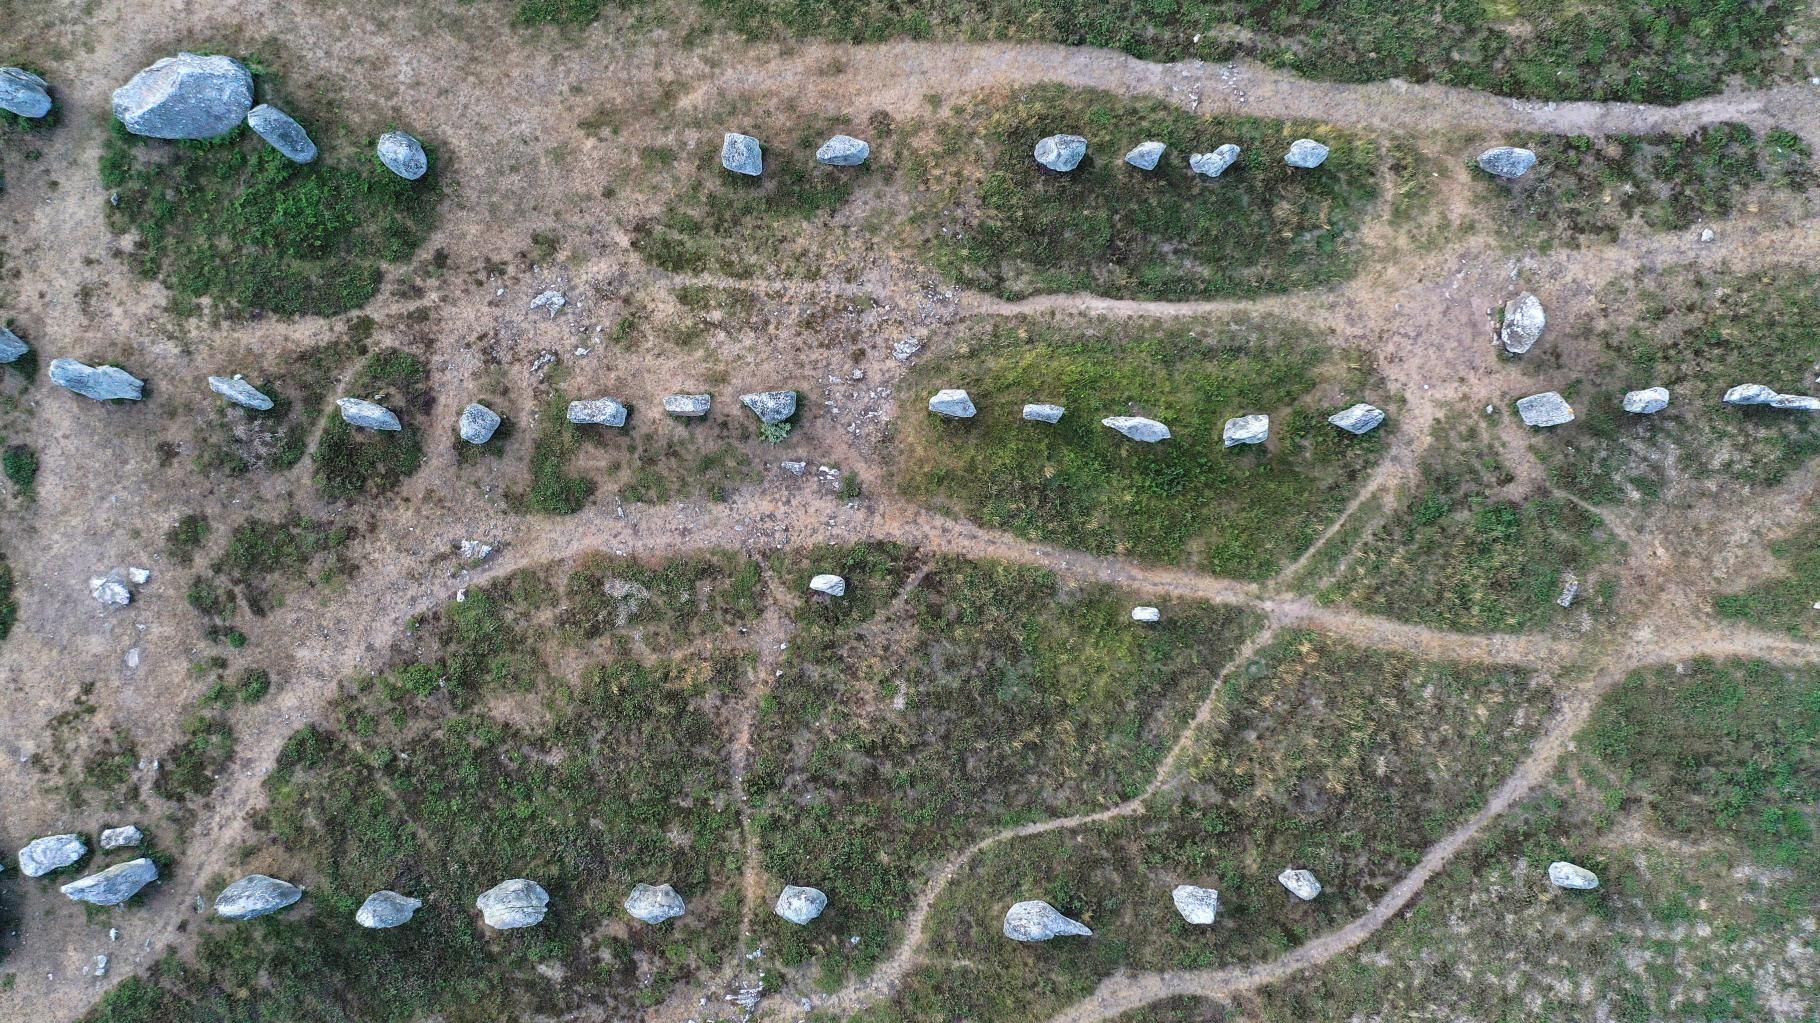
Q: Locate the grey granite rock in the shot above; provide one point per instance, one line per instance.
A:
(1523, 324)
(1562, 874)
(282, 132)
(109, 591)
(1301, 884)
(1216, 163)
(1148, 431)
(52, 852)
(1646, 402)
(1252, 429)
(800, 905)
(24, 93)
(477, 424)
(512, 904)
(403, 155)
(186, 97)
(1044, 413)
(1750, 394)
(1360, 418)
(1545, 409)
(1061, 153)
(102, 383)
(654, 903)
(367, 415)
(255, 895)
(1507, 161)
(384, 909)
(1039, 921)
(114, 885)
(122, 838)
(955, 404)
(12, 349)
(1198, 906)
(742, 154)
(832, 585)
(1306, 154)
(1146, 155)
(770, 406)
(600, 412)
(1146, 614)
(843, 151)
(688, 405)
(240, 392)
(1796, 403)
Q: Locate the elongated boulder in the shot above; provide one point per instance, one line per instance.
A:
(11, 348)
(1146, 614)
(477, 424)
(1360, 418)
(186, 97)
(1507, 161)
(102, 383)
(1147, 431)
(1562, 874)
(742, 154)
(109, 591)
(770, 406)
(1061, 153)
(512, 904)
(402, 154)
(114, 885)
(843, 151)
(1545, 409)
(832, 585)
(384, 909)
(1796, 403)
(1146, 155)
(600, 412)
(654, 903)
(1750, 394)
(255, 895)
(800, 905)
(24, 93)
(1198, 906)
(1216, 163)
(1646, 402)
(1301, 884)
(955, 404)
(1044, 413)
(1039, 921)
(1253, 429)
(282, 132)
(122, 838)
(240, 392)
(52, 852)
(366, 414)
(1306, 154)
(688, 405)
(1523, 324)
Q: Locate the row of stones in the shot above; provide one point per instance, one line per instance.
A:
(1251, 429)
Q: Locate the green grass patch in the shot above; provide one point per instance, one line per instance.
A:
(236, 440)
(21, 466)
(9, 602)
(556, 12)
(553, 490)
(1000, 222)
(186, 537)
(352, 463)
(1237, 512)
(653, 459)
(265, 557)
(1784, 603)
(191, 768)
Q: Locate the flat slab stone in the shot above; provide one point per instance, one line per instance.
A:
(1562, 874)
(186, 97)
(241, 393)
(799, 904)
(12, 349)
(1146, 155)
(1358, 419)
(122, 838)
(403, 155)
(1216, 163)
(1796, 403)
(114, 885)
(1044, 413)
(955, 404)
(367, 415)
(1507, 161)
(688, 405)
(511, 904)
(1301, 884)
(1039, 921)
(1750, 394)
(1252, 429)
(384, 909)
(255, 895)
(1147, 431)
(477, 424)
(843, 151)
(1061, 153)
(655, 903)
(832, 585)
(102, 383)
(1646, 402)
(1146, 614)
(1306, 154)
(24, 93)
(770, 406)
(599, 412)
(742, 154)
(282, 132)
(1198, 906)
(1545, 409)
(52, 852)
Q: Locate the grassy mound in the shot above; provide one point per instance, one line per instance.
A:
(353, 463)
(1236, 512)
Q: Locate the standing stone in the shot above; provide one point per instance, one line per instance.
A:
(403, 155)
(688, 405)
(954, 404)
(1146, 155)
(600, 411)
(654, 903)
(843, 151)
(1146, 614)
(1148, 431)
(367, 415)
(832, 585)
(240, 393)
(1646, 402)
(23, 93)
(1360, 418)
(1796, 403)
(800, 905)
(384, 909)
(1214, 164)
(255, 895)
(282, 132)
(1301, 884)
(1044, 413)
(114, 885)
(186, 97)
(1750, 394)
(513, 904)
(1523, 324)
(478, 424)
(1253, 429)
(770, 407)
(1306, 154)
(1198, 906)
(52, 852)
(11, 348)
(1039, 921)
(1061, 153)
(742, 154)
(1545, 409)
(1507, 161)
(109, 591)
(1562, 874)
(122, 838)
(102, 383)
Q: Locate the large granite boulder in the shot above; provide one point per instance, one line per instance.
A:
(800, 905)
(1146, 155)
(255, 895)
(654, 903)
(367, 415)
(1216, 163)
(512, 904)
(1061, 153)
(1562, 874)
(953, 403)
(1198, 906)
(1523, 324)
(1148, 431)
(1646, 402)
(102, 383)
(1252, 429)
(52, 852)
(827, 583)
(1301, 884)
(11, 348)
(770, 407)
(1039, 921)
(1750, 394)
(186, 97)
(742, 154)
(477, 424)
(600, 412)
(843, 151)
(403, 155)
(1044, 413)
(109, 590)
(1360, 418)
(23, 93)
(114, 885)
(1545, 409)
(1507, 161)
(238, 391)
(282, 132)
(1306, 154)
(122, 838)
(688, 405)
(384, 909)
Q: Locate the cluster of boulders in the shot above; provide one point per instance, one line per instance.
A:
(745, 155)
(1063, 153)
(109, 887)
(952, 403)
(771, 408)
(1757, 394)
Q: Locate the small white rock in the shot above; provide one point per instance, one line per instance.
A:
(832, 585)
(1301, 884)
(1146, 614)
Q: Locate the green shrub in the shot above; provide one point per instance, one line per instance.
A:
(183, 540)
(21, 465)
(353, 463)
(9, 604)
